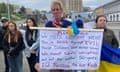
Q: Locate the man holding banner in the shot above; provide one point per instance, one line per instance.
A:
(61, 52)
(58, 22)
(82, 51)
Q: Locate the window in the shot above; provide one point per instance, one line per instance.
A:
(111, 18)
(117, 17)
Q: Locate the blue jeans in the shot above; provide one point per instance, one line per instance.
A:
(80, 70)
(15, 63)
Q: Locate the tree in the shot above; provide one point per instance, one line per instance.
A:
(22, 10)
(43, 12)
(11, 8)
(0, 15)
(86, 9)
(36, 12)
(3, 8)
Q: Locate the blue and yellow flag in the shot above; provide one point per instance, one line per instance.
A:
(110, 54)
(73, 29)
(110, 60)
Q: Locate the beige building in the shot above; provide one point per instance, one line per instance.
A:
(72, 5)
(99, 11)
(28, 11)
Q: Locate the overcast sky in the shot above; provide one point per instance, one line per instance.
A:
(45, 4)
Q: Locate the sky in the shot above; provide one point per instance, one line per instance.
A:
(45, 4)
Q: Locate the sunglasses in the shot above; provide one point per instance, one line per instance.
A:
(55, 9)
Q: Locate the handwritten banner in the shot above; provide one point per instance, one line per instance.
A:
(59, 50)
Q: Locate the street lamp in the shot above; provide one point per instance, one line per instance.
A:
(8, 7)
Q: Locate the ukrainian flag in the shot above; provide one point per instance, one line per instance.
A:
(73, 29)
(110, 60)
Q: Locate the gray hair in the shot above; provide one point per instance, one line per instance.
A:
(58, 3)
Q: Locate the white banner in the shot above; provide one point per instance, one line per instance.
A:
(59, 50)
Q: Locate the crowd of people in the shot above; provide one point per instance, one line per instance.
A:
(14, 42)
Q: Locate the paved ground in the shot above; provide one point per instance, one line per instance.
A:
(25, 65)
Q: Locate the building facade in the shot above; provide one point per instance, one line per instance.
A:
(72, 5)
(99, 11)
(75, 5)
(28, 11)
(112, 11)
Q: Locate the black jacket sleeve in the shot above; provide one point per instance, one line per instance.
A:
(5, 45)
(115, 42)
(18, 47)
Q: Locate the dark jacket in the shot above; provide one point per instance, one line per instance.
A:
(2, 33)
(109, 38)
(1, 37)
(31, 37)
(79, 23)
(13, 48)
(65, 23)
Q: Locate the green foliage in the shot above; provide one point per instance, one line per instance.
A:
(4, 8)
(13, 16)
(22, 10)
(86, 9)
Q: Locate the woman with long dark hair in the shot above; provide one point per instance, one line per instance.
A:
(31, 43)
(13, 45)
